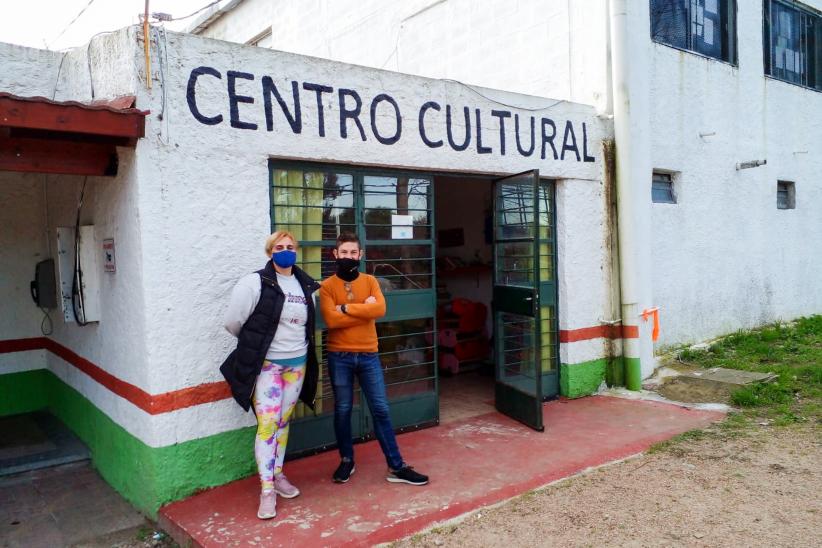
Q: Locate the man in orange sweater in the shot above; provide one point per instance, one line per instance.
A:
(351, 302)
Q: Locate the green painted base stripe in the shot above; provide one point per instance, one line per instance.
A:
(185, 468)
(124, 461)
(23, 392)
(581, 379)
(615, 371)
(633, 374)
(148, 477)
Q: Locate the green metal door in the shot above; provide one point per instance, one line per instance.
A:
(316, 202)
(524, 303)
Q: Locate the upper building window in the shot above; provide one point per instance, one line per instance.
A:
(262, 40)
(707, 27)
(662, 188)
(785, 195)
(793, 43)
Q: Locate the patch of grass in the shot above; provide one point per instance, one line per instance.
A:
(791, 351)
(690, 435)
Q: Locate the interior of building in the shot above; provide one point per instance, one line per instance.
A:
(464, 262)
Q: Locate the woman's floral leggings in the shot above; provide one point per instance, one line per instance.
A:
(275, 395)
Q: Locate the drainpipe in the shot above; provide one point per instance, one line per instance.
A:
(630, 73)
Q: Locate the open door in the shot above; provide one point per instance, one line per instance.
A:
(516, 305)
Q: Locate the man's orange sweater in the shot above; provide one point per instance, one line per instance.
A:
(356, 330)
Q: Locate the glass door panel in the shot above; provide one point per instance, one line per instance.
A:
(517, 312)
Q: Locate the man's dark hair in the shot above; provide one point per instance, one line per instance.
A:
(346, 237)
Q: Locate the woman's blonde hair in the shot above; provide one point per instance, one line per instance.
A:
(272, 240)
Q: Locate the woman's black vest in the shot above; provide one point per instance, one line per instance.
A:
(244, 364)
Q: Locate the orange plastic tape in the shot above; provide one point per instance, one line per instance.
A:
(655, 313)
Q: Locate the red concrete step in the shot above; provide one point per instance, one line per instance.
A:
(472, 463)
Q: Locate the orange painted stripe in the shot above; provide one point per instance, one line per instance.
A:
(599, 332)
(22, 345)
(630, 332)
(152, 404)
(156, 404)
(189, 397)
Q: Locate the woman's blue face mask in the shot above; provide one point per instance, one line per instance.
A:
(285, 258)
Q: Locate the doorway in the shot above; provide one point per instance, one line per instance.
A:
(496, 296)
(464, 268)
(459, 259)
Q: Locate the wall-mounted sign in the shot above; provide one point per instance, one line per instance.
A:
(364, 115)
(402, 227)
(109, 264)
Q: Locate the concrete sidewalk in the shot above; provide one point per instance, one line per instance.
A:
(63, 506)
(472, 463)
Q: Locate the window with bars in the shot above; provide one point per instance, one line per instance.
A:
(318, 202)
(785, 195)
(662, 188)
(792, 43)
(400, 263)
(707, 27)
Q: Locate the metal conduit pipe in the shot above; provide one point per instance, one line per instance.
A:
(630, 72)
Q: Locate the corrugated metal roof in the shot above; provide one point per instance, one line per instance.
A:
(120, 105)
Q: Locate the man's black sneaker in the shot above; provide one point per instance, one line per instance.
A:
(343, 472)
(406, 474)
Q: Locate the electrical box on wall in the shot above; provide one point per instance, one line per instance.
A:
(79, 274)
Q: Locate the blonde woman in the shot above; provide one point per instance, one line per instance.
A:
(271, 313)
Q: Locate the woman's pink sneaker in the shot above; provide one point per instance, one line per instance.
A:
(268, 505)
(284, 488)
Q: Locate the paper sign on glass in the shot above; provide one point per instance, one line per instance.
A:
(402, 227)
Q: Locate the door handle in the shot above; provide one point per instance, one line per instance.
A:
(529, 298)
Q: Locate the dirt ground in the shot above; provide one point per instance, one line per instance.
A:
(758, 486)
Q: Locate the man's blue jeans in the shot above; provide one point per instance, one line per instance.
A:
(342, 367)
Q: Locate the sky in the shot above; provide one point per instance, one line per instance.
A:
(43, 23)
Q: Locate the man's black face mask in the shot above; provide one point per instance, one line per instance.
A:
(348, 269)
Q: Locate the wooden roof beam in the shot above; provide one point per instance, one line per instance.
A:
(62, 157)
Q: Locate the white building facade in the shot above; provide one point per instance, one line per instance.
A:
(239, 141)
(716, 82)
(604, 125)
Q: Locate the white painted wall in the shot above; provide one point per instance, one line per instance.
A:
(584, 266)
(725, 258)
(28, 71)
(22, 245)
(118, 342)
(550, 48)
(35, 205)
(245, 21)
(189, 210)
(725, 241)
(209, 214)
